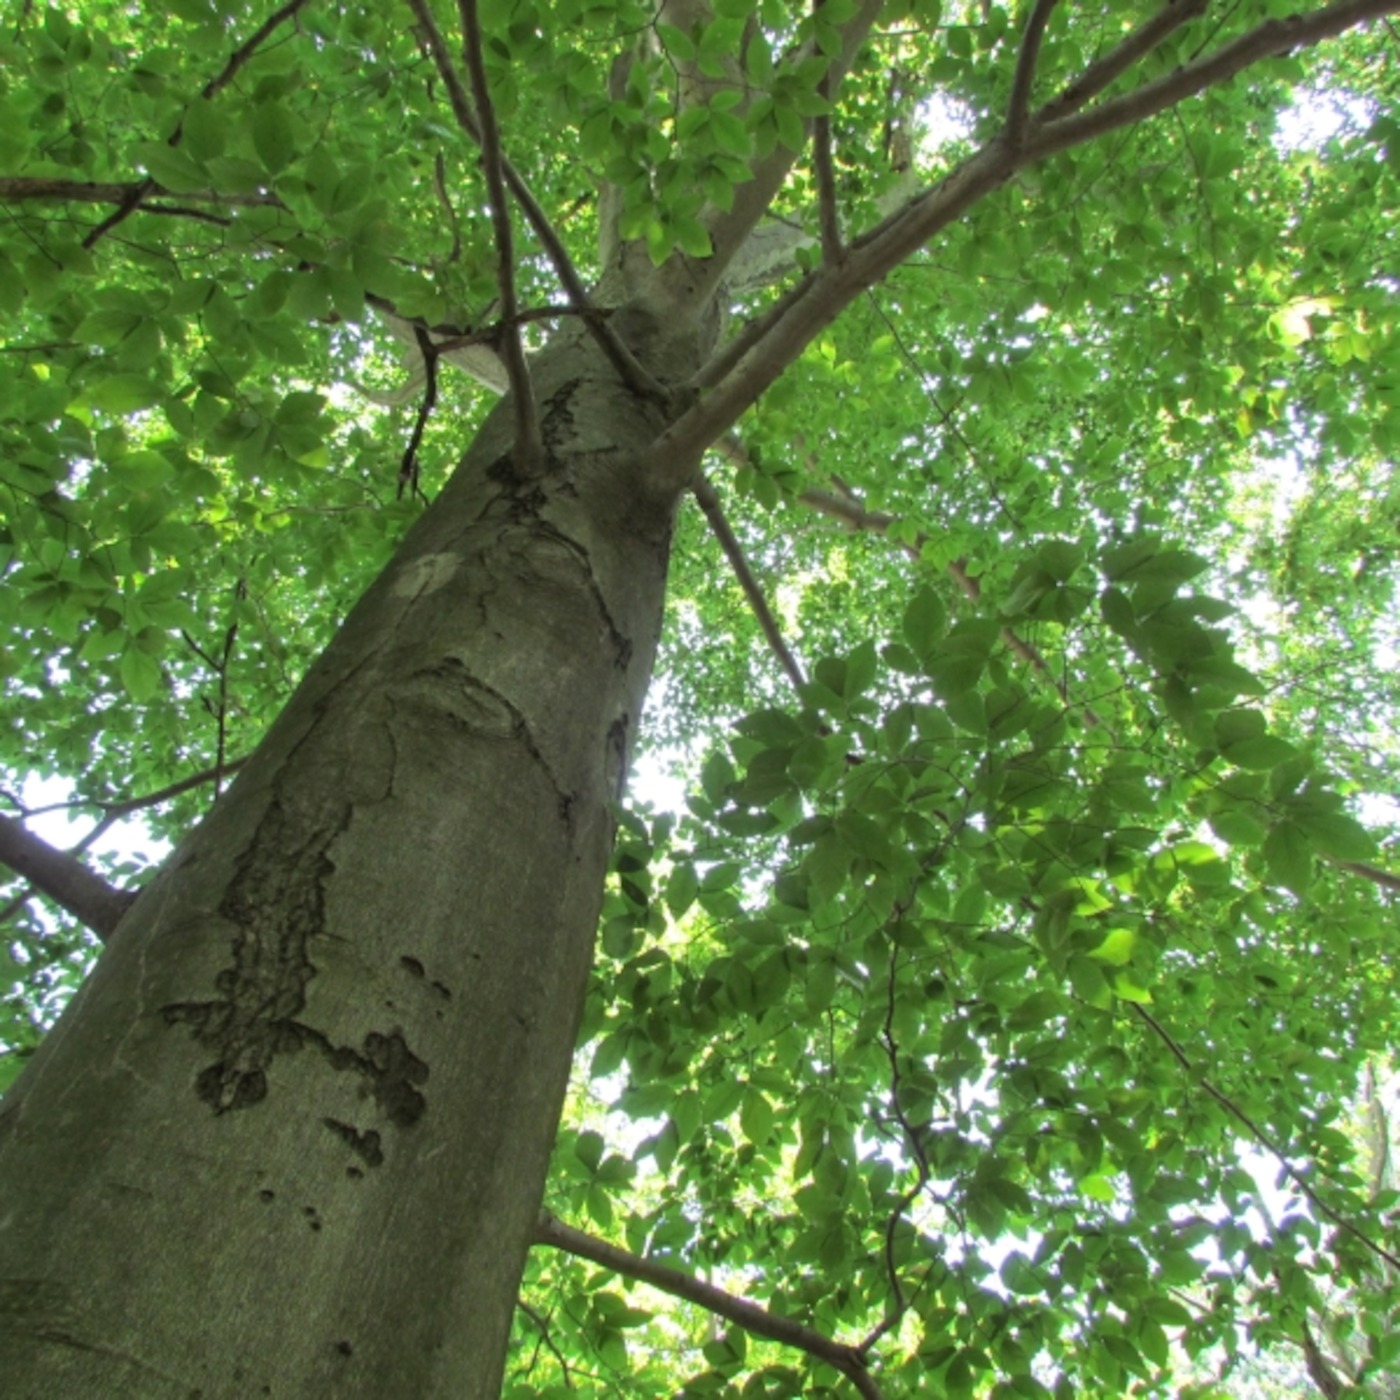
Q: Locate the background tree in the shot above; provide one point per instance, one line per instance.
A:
(1020, 908)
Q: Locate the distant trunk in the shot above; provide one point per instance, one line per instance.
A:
(291, 1137)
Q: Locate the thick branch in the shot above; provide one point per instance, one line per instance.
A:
(1267, 40)
(1026, 60)
(752, 1318)
(1320, 1370)
(812, 305)
(1384, 878)
(632, 374)
(1262, 1138)
(65, 879)
(753, 197)
(709, 502)
(816, 301)
(1104, 71)
(16, 189)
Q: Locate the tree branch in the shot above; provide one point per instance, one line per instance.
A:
(821, 296)
(140, 192)
(631, 372)
(16, 189)
(1260, 1136)
(546, 1338)
(826, 176)
(113, 812)
(1384, 878)
(850, 1361)
(1106, 70)
(1267, 40)
(814, 303)
(753, 197)
(408, 466)
(123, 807)
(65, 879)
(529, 451)
(848, 509)
(709, 502)
(1026, 60)
(249, 47)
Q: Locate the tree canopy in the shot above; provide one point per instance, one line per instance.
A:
(1001, 1010)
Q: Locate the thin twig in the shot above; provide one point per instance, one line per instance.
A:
(847, 508)
(631, 372)
(850, 1361)
(440, 182)
(709, 502)
(125, 806)
(113, 812)
(546, 1337)
(529, 451)
(145, 188)
(911, 1137)
(1263, 1138)
(1024, 79)
(249, 47)
(240, 592)
(821, 161)
(408, 468)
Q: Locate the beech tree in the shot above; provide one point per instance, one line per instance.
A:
(985, 412)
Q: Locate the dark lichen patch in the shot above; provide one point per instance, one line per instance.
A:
(344, 1349)
(396, 1070)
(224, 1087)
(313, 1217)
(267, 1197)
(367, 1145)
(416, 969)
(276, 901)
(392, 1070)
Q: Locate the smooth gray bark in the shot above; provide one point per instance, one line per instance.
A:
(291, 1137)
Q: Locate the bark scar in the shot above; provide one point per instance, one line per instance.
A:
(276, 900)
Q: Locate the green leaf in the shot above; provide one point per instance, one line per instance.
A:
(756, 1117)
(1336, 834)
(924, 620)
(677, 42)
(171, 167)
(141, 674)
(123, 393)
(1288, 855)
(681, 889)
(275, 136)
(693, 238)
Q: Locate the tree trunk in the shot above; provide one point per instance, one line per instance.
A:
(291, 1137)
